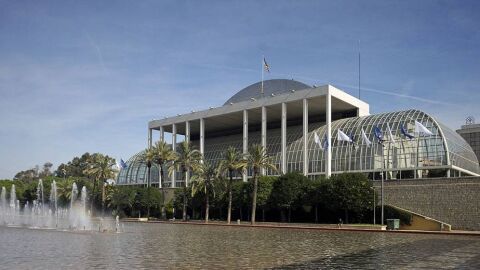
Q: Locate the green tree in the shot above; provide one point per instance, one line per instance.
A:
(317, 193)
(265, 188)
(233, 162)
(122, 198)
(163, 155)
(101, 168)
(188, 159)
(148, 156)
(351, 192)
(258, 159)
(287, 190)
(204, 180)
(149, 198)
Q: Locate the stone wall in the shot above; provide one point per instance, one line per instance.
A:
(455, 201)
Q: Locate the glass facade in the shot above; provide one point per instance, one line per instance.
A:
(422, 156)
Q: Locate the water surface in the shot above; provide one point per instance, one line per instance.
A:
(171, 246)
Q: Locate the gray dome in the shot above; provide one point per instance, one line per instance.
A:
(275, 86)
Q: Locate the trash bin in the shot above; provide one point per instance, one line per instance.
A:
(393, 224)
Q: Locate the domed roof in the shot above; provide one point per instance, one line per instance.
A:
(275, 86)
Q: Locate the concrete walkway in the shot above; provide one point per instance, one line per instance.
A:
(304, 226)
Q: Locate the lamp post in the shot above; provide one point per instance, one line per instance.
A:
(374, 206)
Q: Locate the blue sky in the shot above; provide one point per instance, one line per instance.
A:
(87, 76)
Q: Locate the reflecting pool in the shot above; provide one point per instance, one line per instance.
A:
(171, 246)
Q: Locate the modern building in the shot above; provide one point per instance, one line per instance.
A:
(471, 133)
(299, 124)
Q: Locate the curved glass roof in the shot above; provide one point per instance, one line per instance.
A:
(445, 149)
(275, 86)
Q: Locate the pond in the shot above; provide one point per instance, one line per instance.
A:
(177, 246)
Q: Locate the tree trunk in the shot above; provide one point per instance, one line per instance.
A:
(254, 196)
(184, 215)
(160, 183)
(346, 216)
(263, 214)
(148, 176)
(93, 196)
(229, 215)
(207, 207)
(316, 213)
(241, 212)
(289, 213)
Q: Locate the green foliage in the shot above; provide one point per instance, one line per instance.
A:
(149, 198)
(288, 189)
(393, 212)
(264, 191)
(352, 192)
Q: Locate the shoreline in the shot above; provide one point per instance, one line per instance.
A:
(306, 226)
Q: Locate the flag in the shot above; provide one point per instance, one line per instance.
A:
(265, 65)
(378, 134)
(365, 139)
(421, 129)
(123, 164)
(341, 136)
(317, 140)
(325, 143)
(390, 135)
(405, 133)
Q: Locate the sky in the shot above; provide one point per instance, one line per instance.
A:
(87, 76)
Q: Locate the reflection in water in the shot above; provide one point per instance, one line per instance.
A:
(210, 247)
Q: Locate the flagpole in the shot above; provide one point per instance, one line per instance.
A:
(359, 70)
(263, 59)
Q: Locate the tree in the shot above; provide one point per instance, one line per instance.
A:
(264, 192)
(204, 180)
(101, 168)
(188, 159)
(76, 167)
(148, 156)
(351, 192)
(121, 198)
(163, 155)
(258, 159)
(287, 190)
(233, 162)
(316, 193)
(149, 197)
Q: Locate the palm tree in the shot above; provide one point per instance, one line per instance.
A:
(258, 159)
(232, 162)
(188, 159)
(100, 167)
(163, 155)
(204, 179)
(148, 156)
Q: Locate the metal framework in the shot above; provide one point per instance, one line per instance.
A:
(444, 153)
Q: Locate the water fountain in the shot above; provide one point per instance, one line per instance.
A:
(43, 214)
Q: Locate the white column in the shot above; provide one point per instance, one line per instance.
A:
(305, 136)
(187, 139)
(329, 133)
(174, 148)
(187, 131)
(264, 132)
(245, 138)
(202, 136)
(149, 137)
(162, 134)
(284, 138)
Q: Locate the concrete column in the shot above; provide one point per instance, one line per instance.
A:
(284, 138)
(187, 131)
(174, 148)
(245, 138)
(162, 134)
(187, 139)
(264, 132)
(305, 136)
(149, 138)
(328, 170)
(202, 136)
